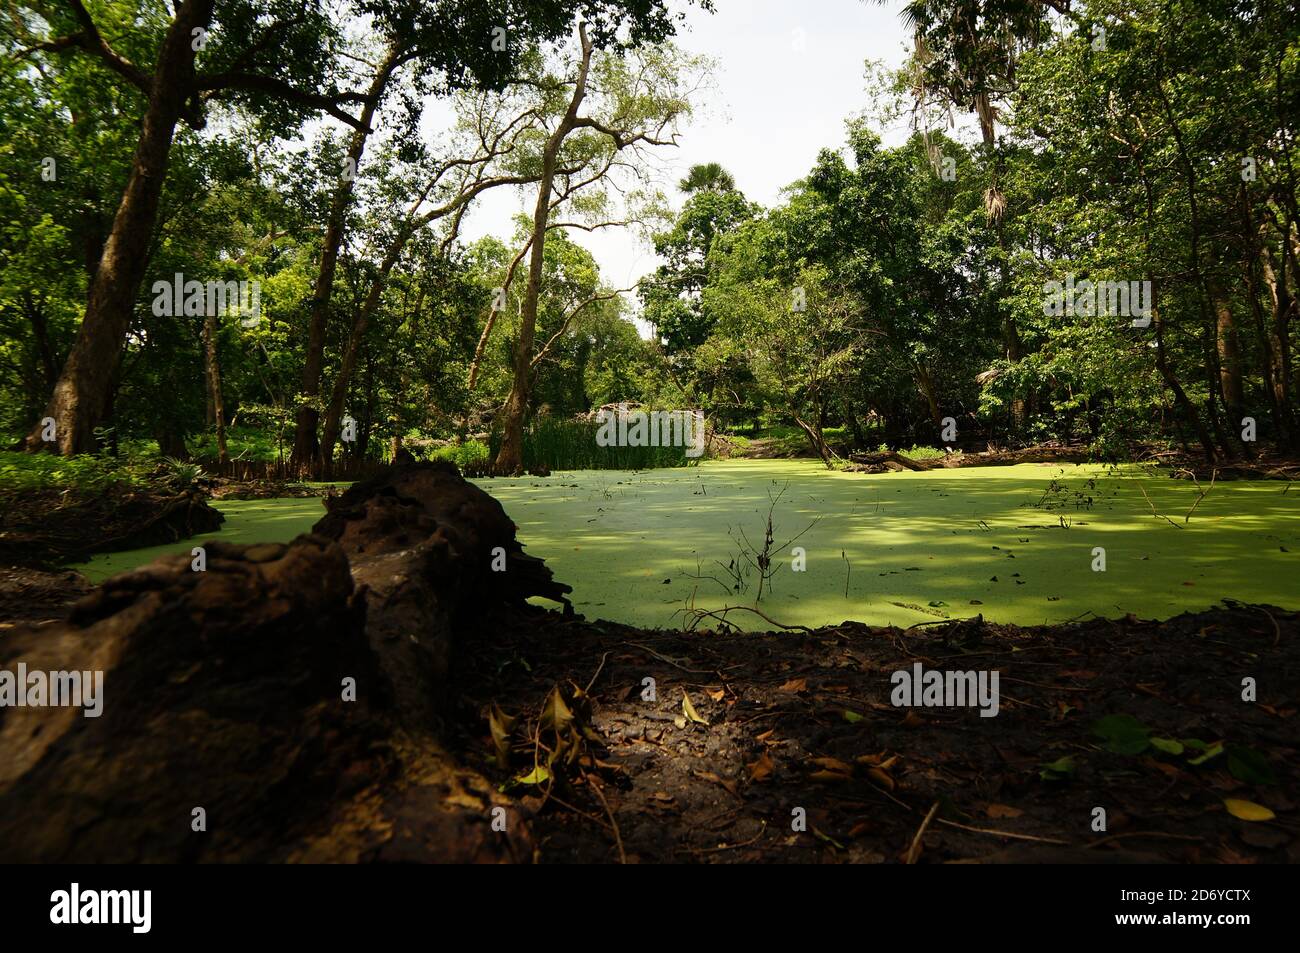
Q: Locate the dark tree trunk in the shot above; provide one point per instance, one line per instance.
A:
(213, 368)
(305, 446)
(80, 399)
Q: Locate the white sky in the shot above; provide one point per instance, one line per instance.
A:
(789, 73)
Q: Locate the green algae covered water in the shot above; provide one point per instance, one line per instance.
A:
(1018, 544)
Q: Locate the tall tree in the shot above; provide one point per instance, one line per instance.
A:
(637, 102)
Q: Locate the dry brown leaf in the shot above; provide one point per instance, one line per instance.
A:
(829, 776)
(1002, 810)
(730, 786)
(761, 768)
(833, 764)
(795, 685)
(881, 778)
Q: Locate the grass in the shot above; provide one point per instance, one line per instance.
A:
(561, 444)
(242, 443)
(918, 452)
(471, 454)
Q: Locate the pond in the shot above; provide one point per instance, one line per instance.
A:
(1018, 544)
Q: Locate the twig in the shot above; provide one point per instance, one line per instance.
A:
(1159, 834)
(1277, 629)
(914, 851)
(1143, 491)
(721, 614)
(989, 830)
(618, 838)
(713, 850)
(664, 658)
(599, 669)
(1214, 475)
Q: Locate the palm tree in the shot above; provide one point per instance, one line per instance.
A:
(707, 177)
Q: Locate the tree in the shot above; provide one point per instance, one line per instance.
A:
(275, 57)
(637, 101)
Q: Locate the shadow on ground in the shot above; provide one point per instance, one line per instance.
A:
(804, 721)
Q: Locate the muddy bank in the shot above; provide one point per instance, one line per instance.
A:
(48, 530)
(782, 723)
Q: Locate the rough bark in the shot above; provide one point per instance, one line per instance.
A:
(81, 396)
(305, 447)
(224, 689)
(212, 365)
(510, 457)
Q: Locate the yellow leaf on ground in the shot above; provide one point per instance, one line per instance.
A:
(689, 710)
(1247, 810)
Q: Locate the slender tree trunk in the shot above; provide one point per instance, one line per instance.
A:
(510, 457)
(1175, 386)
(855, 425)
(1229, 350)
(816, 438)
(926, 383)
(305, 447)
(80, 399)
(1279, 332)
(213, 365)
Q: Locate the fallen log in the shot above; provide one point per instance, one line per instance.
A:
(432, 553)
(279, 705)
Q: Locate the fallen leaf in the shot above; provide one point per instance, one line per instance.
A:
(833, 764)
(536, 776)
(795, 685)
(829, 776)
(500, 724)
(1002, 810)
(689, 710)
(730, 786)
(1247, 810)
(881, 778)
(761, 768)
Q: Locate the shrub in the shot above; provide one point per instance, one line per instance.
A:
(559, 444)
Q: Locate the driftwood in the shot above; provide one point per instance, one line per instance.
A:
(878, 461)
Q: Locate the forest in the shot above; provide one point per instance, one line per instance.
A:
(315, 314)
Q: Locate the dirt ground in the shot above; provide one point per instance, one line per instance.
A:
(787, 721)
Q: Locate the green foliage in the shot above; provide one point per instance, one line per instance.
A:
(24, 474)
(559, 444)
(472, 455)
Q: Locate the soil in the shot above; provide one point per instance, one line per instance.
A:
(804, 720)
(48, 530)
(38, 596)
(223, 489)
